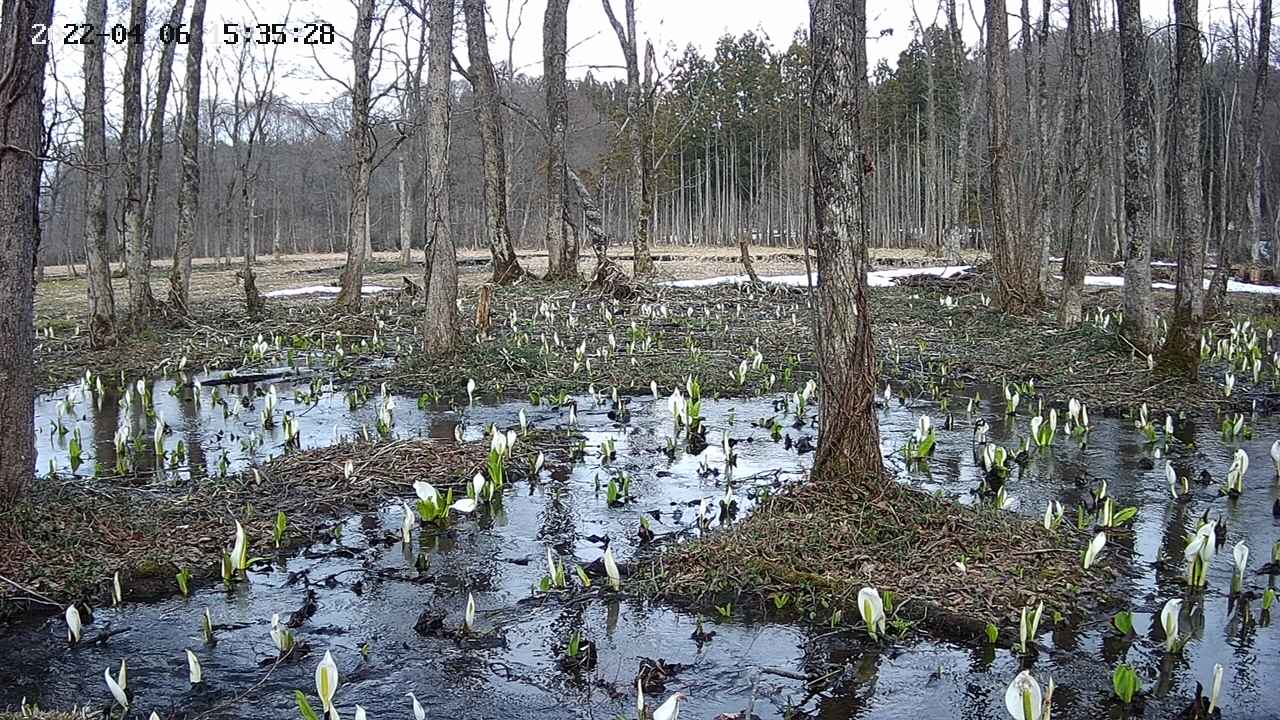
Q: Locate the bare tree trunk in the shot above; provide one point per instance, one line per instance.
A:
(506, 268)
(562, 250)
(21, 145)
(406, 211)
(1251, 175)
(1182, 347)
(648, 180)
(189, 182)
(360, 138)
(955, 220)
(592, 219)
(1139, 310)
(137, 264)
(744, 254)
(850, 440)
(102, 306)
(1076, 255)
(1017, 264)
(441, 333)
(155, 133)
(642, 261)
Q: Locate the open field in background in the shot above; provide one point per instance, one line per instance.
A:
(62, 295)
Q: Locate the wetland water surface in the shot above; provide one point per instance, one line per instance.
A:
(371, 593)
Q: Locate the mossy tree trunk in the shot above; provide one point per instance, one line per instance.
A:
(1016, 259)
(642, 261)
(102, 303)
(1181, 352)
(850, 438)
(1139, 315)
(189, 182)
(1076, 257)
(21, 145)
(441, 333)
(137, 264)
(1139, 309)
(562, 248)
(506, 268)
(360, 138)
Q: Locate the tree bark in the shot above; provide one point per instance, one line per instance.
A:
(562, 250)
(1181, 353)
(21, 145)
(1017, 264)
(155, 132)
(1245, 206)
(137, 264)
(441, 332)
(1139, 310)
(850, 438)
(102, 306)
(642, 261)
(1253, 163)
(406, 211)
(360, 139)
(506, 269)
(1075, 258)
(189, 180)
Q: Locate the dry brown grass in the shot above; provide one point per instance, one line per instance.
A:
(820, 542)
(50, 715)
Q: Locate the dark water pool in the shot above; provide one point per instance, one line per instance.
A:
(370, 595)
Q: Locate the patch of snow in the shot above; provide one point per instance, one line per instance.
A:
(875, 278)
(322, 290)
(1232, 285)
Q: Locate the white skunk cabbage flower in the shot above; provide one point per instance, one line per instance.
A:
(871, 607)
(240, 549)
(1215, 689)
(418, 712)
(1204, 543)
(279, 635)
(360, 713)
(1169, 621)
(669, 710)
(74, 626)
(118, 684)
(465, 506)
(639, 698)
(406, 528)
(327, 681)
(1024, 699)
(653, 388)
(471, 391)
(426, 492)
(193, 669)
(611, 568)
(1241, 555)
(676, 404)
(469, 615)
(1275, 456)
(1091, 553)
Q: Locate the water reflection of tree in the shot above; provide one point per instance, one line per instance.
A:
(192, 432)
(106, 419)
(856, 667)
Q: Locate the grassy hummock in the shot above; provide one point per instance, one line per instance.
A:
(812, 548)
(67, 537)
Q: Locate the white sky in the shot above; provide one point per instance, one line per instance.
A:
(669, 24)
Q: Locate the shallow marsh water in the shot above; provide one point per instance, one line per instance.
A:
(370, 593)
